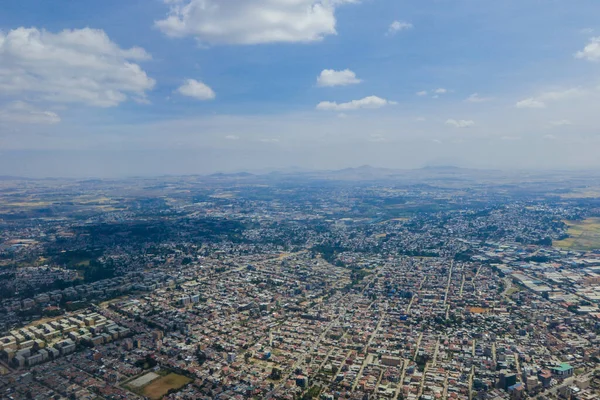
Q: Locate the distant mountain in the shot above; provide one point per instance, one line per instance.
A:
(364, 172)
(232, 175)
(14, 178)
(442, 167)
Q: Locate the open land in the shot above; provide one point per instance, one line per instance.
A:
(159, 387)
(583, 235)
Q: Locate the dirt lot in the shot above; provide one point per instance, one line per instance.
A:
(158, 388)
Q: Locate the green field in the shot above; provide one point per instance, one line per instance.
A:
(159, 387)
(583, 235)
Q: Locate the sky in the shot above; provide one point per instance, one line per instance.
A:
(118, 88)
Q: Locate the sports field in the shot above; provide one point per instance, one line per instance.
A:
(159, 387)
(583, 235)
(143, 380)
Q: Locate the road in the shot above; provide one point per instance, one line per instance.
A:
(471, 376)
(417, 347)
(301, 360)
(422, 387)
(445, 392)
(435, 353)
(401, 381)
(366, 361)
(449, 281)
(566, 382)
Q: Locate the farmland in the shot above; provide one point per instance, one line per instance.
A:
(583, 235)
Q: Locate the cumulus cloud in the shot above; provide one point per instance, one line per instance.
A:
(367, 102)
(542, 100)
(330, 77)
(197, 90)
(440, 91)
(232, 137)
(23, 113)
(71, 66)
(398, 26)
(591, 52)
(461, 123)
(422, 93)
(251, 21)
(530, 103)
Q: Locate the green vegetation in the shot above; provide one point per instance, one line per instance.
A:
(312, 393)
(583, 235)
(146, 363)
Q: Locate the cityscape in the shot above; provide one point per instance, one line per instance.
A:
(354, 284)
(299, 200)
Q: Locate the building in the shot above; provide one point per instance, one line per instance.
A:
(231, 358)
(545, 377)
(506, 379)
(564, 370)
(391, 361)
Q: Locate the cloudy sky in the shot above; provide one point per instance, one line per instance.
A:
(148, 87)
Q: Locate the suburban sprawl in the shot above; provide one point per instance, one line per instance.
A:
(433, 284)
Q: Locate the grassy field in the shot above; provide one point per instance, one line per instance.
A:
(581, 194)
(583, 235)
(158, 388)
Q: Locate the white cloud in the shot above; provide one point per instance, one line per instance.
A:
(23, 113)
(422, 93)
(330, 77)
(197, 90)
(461, 123)
(251, 21)
(72, 66)
(367, 102)
(270, 140)
(542, 100)
(440, 91)
(530, 103)
(475, 98)
(232, 137)
(398, 26)
(562, 94)
(562, 122)
(591, 52)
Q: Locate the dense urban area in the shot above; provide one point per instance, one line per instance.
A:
(439, 283)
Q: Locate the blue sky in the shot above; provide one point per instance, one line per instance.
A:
(207, 85)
